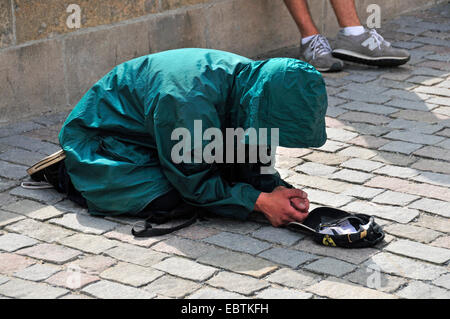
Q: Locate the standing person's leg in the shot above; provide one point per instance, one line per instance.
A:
(314, 47)
(355, 43)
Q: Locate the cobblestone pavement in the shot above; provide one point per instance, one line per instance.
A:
(387, 155)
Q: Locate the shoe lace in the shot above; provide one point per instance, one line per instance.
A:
(378, 39)
(320, 45)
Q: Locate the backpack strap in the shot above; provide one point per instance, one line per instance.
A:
(145, 228)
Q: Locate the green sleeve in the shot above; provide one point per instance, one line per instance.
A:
(200, 184)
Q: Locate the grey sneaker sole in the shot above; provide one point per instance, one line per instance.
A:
(352, 56)
(336, 67)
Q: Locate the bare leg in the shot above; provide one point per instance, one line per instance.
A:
(345, 11)
(302, 17)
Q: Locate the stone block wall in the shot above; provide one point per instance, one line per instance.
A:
(45, 65)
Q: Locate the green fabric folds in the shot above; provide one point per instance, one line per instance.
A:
(118, 140)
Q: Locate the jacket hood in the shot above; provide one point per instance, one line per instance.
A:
(282, 93)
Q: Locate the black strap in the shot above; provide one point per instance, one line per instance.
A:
(145, 228)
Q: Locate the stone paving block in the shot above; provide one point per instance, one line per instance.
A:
(123, 233)
(170, 286)
(39, 230)
(443, 281)
(374, 279)
(33, 209)
(67, 205)
(419, 251)
(352, 176)
(297, 279)
(362, 192)
(20, 156)
(355, 256)
(237, 283)
(397, 171)
(340, 135)
(71, 279)
(51, 253)
(412, 232)
(363, 117)
(440, 100)
(238, 242)
(31, 144)
(292, 152)
(3, 279)
(47, 196)
(182, 247)
(282, 293)
(315, 169)
(130, 274)
(418, 138)
(110, 290)
(434, 222)
(332, 146)
(434, 153)
(418, 127)
(419, 116)
(444, 144)
(330, 266)
(431, 165)
(368, 129)
(404, 267)
(433, 206)
(238, 262)
(394, 158)
(363, 96)
(136, 255)
(88, 243)
(12, 242)
(12, 171)
(9, 263)
(401, 147)
(359, 152)
(212, 293)
(185, 268)
(362, 164)
(283, 162)
(433, 178)
(326, 158)
(85, 224)
(327, 198)
(411, 105)
(277, 235)
(7, 218)
(400, 185)
(425, 80)
(22, 289)
(340, 290)
(370, 108)
(322, 183)
(332, 109)
(398, 214)
(6, 184)
(443, 242)
(37, 272)
(289, 257)
(93, 264)
(420, 290)
(394, 198)
(230, 225)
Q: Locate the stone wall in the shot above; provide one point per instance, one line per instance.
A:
(47, 66)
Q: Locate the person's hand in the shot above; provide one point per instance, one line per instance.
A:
(283, 205)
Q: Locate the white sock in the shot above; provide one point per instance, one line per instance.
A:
(355, 30)
(306, 39)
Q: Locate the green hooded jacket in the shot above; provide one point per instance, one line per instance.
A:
(118, 138)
